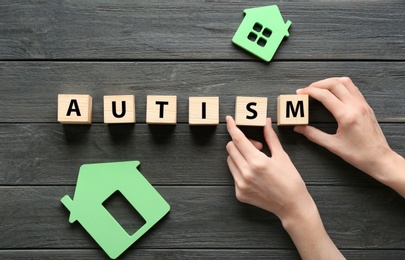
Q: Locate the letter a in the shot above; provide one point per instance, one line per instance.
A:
(73, 107)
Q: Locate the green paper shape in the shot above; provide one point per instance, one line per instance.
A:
(261, 32)
(95, 184)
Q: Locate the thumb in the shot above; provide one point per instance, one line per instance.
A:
(315, 135)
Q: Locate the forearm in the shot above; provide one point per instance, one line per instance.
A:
(390, 170)
(310, 237)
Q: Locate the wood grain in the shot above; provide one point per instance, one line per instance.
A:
(246, 254)
(51, 154)
(195, 30)
(183, 48)
(30, 89)
(208, 218)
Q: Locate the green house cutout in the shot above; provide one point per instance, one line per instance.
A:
(262, 31)
(95, 184)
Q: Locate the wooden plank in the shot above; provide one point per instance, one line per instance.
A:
(190, 254)
(99, 29)
(182, 48)
(31, 88)
(152, 254)
(46, 154)
(208, 218)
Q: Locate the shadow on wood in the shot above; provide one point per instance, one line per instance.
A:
(161, 134)
(202, 135)
(121, 133)
(76, 133)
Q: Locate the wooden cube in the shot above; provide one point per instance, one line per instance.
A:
(119, 109)
(203, 110)
(292, 110)
(251, 111)
(161, 109)
(74, 109)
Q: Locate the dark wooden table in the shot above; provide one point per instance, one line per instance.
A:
(184, 48)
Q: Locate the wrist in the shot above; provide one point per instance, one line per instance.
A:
(309, 235)
(299, 218)
(390, 170)
(380, 168)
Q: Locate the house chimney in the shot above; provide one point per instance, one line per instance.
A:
(69, 204)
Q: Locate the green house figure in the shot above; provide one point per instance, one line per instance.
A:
(262, 31)
(96, 183)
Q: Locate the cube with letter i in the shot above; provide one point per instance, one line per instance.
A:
(251, 111)
(119, 109)
(74, 109)
(292, 110)
(161, 109)
(203, 111)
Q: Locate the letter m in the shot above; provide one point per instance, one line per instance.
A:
(298, 108)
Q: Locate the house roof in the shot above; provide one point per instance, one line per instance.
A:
(269, 16)
(263, 10)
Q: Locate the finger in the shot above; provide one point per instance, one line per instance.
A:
(271, 138)
(352, 88)
(327, 98)
(236, 156)
(245, 147)
(237, 175)
(336, 86)
(257, 144)
(317, 136)
(234, 152)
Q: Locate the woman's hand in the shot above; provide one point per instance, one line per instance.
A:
(274, 184)
(358, 139)
(271, 183)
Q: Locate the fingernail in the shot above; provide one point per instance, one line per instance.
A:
(299, 90)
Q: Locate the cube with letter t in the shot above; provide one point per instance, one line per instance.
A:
(292, 110)
(161, 109)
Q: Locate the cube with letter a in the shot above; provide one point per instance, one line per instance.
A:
(74, 109)
(292, 110)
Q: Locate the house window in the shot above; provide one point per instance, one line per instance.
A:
(259, 35)
(124, 213)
